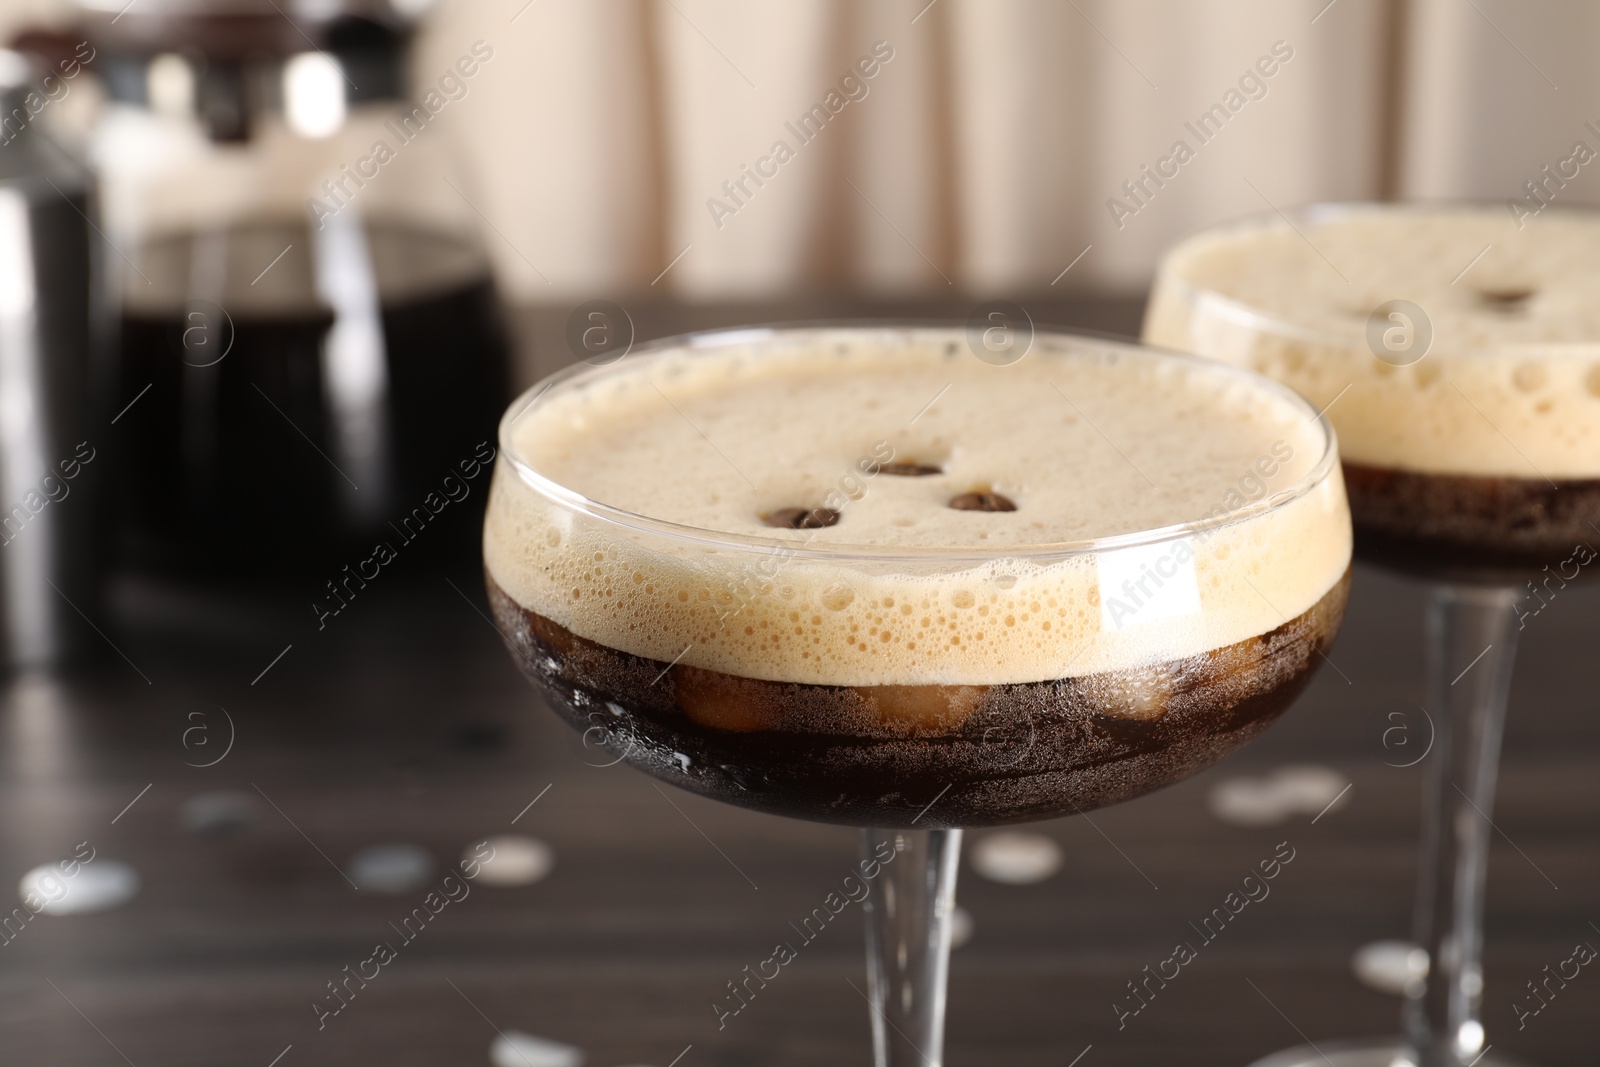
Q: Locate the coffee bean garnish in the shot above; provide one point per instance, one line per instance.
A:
(1505, 299)
(905, 468)
(984, 501)
(802, 518)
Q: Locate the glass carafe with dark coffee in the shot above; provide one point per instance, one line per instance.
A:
(311, 357)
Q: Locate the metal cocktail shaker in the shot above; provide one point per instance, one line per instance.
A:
(50, 455)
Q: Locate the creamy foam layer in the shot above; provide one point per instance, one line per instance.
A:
(1088, 439)
(1511, 384)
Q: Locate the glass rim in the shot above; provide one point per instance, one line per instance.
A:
(1244, 314)
(712, 340)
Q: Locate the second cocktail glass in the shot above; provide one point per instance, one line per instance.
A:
(886, 577)
(1454, 349)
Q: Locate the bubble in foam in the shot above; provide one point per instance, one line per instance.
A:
(1530, 377)
(837, 597)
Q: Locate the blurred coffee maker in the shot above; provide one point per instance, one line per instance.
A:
(309, 337)
(50, 445)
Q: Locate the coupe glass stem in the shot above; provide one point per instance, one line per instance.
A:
(908, 942)
(1472, 641)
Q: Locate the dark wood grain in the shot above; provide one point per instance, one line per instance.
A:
(404, 720)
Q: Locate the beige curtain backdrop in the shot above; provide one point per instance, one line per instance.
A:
(984, 152)
(982, 155)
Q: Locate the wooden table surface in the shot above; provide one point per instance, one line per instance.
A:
(405, 721)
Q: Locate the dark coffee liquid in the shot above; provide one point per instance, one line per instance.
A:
(1491, 530)
(233, 463)
(1020, 752)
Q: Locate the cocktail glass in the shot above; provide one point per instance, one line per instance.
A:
(1128, 705)
(1418, 401)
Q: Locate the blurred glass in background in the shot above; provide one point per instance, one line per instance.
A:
(309, 338)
